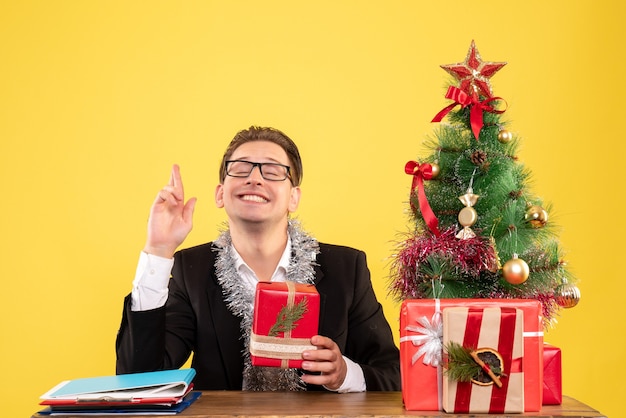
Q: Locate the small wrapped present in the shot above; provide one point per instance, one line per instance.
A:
(421, 331)
(552, 375)
(286, 316)
(483, 350)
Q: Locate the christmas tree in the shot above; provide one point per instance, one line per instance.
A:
(479, 231)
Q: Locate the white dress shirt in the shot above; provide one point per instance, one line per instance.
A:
(150, 291)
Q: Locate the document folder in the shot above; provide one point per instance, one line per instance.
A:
(165, 387)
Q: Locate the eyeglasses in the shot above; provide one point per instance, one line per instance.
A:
(269, 171)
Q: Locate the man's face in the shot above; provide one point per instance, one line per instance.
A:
(253, 198)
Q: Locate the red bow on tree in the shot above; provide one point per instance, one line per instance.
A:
(476, 107)
(421, 172)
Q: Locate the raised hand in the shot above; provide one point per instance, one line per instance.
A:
(170, 218)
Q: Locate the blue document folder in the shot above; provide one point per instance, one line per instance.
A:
(135, 387)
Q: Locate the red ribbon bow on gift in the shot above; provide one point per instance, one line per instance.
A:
(421, 172)
(476, 111)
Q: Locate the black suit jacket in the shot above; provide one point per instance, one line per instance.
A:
(196, 319)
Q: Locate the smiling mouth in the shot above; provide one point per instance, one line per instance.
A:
(254, 198)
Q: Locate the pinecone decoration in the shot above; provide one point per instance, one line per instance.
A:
(478, 157)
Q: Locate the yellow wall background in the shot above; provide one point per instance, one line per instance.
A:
(99, 98)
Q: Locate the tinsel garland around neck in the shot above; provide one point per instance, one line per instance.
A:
(240, 300)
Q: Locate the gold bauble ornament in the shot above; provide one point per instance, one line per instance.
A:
(515, 271)
(536, 216)
(567, 295)
(435, 169)
(504, 136)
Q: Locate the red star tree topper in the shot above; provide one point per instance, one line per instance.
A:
(474, 73)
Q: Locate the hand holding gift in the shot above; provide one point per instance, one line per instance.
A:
(286, 316)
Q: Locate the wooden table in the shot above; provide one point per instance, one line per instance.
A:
(324, 404)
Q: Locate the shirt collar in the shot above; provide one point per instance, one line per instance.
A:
(281, 268)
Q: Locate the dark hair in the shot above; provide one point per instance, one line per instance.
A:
(256, 133)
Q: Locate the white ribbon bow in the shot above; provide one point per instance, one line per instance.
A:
(430, 340)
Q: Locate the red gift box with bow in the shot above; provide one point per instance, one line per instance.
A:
(497, 334)
(286, 316)
(421, 330)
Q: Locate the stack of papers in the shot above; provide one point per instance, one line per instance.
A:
(161, 392)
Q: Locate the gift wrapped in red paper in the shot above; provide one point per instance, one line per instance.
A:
(552, 375)
(491, 340)
(286, 316)
(421, 348)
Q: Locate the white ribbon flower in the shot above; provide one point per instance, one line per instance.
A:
(430, 340)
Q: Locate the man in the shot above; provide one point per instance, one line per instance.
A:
(206, 306)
